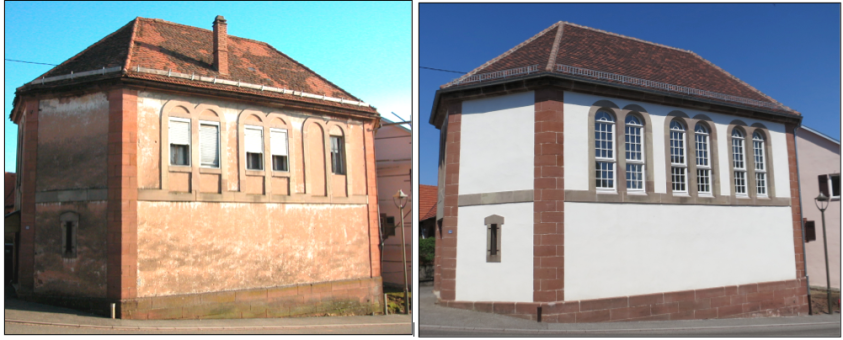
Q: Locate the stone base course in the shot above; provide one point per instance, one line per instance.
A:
(348, 297)
(766, 299)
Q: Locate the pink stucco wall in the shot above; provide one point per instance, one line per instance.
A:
(819, 156)
(394, 158)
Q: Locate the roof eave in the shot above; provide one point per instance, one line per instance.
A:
(435, 120)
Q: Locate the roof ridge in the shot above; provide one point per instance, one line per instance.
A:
(196, 27)
(554, 51)
(510, 51)
(752, 88)
(132, 43)
(625, 37)
(85, 50)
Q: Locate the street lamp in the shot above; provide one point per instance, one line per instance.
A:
(822, 203)
(400, 199)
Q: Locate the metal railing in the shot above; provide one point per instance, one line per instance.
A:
(662, 86)
(497, 75)
(77, 75)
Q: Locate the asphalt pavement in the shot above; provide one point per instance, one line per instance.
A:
(437, 321)
(22, 317)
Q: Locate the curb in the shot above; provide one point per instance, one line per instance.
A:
(628, 330)
(211, 328)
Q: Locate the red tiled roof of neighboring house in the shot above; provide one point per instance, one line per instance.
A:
(427, 201)
(587, 48)
(163, 45)
(9, 185)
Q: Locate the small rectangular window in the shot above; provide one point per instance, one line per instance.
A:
(254, 147)
(835, 185)
(810, 231)
(278, 147)
(179, 136)
(209, 144)
(337, 161)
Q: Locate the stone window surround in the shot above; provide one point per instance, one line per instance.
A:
(183, 109)
(489, 221)
(65, 218)
(649, 196)
(749, 161)
(620, 132)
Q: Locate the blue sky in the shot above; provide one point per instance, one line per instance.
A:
(365, 48)
(789, 52)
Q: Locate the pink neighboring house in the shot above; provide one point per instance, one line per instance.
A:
(394, 159)
(819, 169)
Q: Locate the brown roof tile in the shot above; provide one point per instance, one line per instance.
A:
(163, 45)
(598, 50)
(427, 201)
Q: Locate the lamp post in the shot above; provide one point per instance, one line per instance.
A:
(822, 203)
(400, 200)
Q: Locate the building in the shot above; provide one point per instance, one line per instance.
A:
(394, 157)
(819, 171)
(587, 176)
(180, 172)
(427, 210)
(10, 219)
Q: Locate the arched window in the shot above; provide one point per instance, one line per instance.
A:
(701, 138)
(604, 128)
(634, 154)
(760, 164)
(739, 166)
(678, 164)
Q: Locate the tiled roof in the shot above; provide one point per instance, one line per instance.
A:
(427, 201)
(9, 186)
(593, 49)
(163, 45)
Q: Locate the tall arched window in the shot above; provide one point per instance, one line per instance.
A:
(701, 138)
(634, 154)
(604, 128)
(760, 164)
(678, 164)
(739, 166)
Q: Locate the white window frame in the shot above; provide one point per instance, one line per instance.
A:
(683, 165)
(219, 143)
(738, 142)
(246, 151)
(274, 153)
(189, 140)
(705, 168)
(762, 172)
(831, 186)
(641, 161)
(611, 161)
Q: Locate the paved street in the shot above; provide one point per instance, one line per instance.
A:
(31, 318)
(436, 321)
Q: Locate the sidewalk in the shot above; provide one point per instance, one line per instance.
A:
(433, 317)
(28, 313)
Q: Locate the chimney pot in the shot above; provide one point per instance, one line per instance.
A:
(220, 45)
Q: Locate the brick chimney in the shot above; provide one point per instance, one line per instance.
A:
(220, 45)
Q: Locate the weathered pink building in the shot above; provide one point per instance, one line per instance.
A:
(819, 170)
(394, 158)
(180, 172)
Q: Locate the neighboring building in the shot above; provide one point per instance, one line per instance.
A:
(427, 210)
(587, 176)
(12, 217)
(9, 192)
(180, 172)
(819, 171)
(394, 157)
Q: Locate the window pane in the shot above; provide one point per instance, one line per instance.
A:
(209, 145)
(704, 181)
(740, 182)
(835, 185)
(278, 142)
(179, 154)
(254, 161)
(605, 175)
(678, 178)
(337, 161)
(279, 163)
(635, 176)
(761, 183)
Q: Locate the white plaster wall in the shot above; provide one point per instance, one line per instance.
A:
(497, 138)
(509, 280)
(576, 109)
(634, 249)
